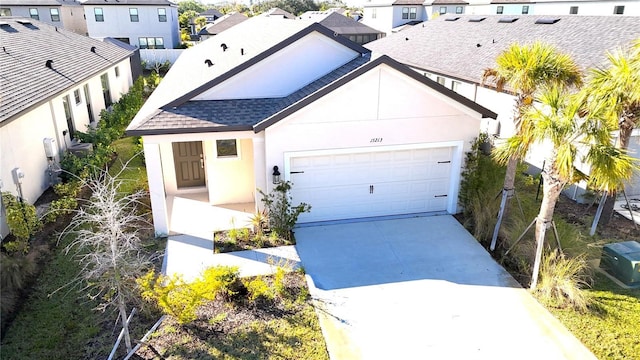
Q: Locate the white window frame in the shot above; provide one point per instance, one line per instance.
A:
(413, 13)
(162, 15)
(133, 15)
(405, 13)
(500, 9)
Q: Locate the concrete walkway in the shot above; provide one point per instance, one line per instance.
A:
(423, 288)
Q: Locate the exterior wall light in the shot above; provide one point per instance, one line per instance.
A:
(276, 175)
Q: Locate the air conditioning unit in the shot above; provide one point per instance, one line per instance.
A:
(622, 260)
(81, 149)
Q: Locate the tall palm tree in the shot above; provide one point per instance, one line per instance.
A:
(568, 139)
(522, 69)
(617, 89)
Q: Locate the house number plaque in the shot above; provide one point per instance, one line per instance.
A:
(375, 140)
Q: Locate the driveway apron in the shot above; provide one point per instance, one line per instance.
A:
(422, 288)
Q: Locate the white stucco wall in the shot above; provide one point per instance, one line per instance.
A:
(593, 8)
(231, 180)
(383, 20)
(381, 104)
(117, 23)
(71, 16)
(281, 73)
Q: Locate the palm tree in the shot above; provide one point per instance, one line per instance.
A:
(523, 69)
(557, 121)
(617, 89)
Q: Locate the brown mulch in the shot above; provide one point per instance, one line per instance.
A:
(246, 239)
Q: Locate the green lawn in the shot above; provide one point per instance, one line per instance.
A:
(135, 174)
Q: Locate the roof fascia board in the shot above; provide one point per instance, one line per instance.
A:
(193, 130)
(384, 59)
(49, 98)
(265, 54)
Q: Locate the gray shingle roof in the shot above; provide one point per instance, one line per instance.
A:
(25, 81)
(463, 49)
(236, 114)
(223, 23)
(345, 25)
(449, 2)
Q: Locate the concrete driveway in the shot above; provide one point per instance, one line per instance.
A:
(422, 288)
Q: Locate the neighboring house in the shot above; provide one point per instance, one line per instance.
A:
(53, 82)
(441, 7)
(474, 42)
(224, 23)
(148, 24)
(343, 25)
(561, 7)
(277, 12)
(61, 13)
(357, 135)
(211, 15)
(386, 16)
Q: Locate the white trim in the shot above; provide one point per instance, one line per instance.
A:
(456, 161)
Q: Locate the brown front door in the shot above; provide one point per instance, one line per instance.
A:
(189, 162)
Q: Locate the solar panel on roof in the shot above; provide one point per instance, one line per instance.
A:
(547, 21)
(507, 20)
(477, 19)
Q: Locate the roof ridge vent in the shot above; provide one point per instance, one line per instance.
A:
(508, 20)
(452, 18)
(477, 19)
(49, 64)
(547, 21)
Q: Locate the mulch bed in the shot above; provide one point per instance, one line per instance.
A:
(245, 239)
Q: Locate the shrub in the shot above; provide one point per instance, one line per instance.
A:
(282, 214)
(22, 221)
(258, 288)
(62, 206)
(562, 279)
(14, 270)
(279, 281)
(71, 188)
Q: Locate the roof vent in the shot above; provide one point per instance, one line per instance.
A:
(49, 64)
(241, 51)
(23, 22)
(452, 19)
(478, 45)
(508, 20)
(547, 21)
(208, 62)
(93, 49)
(224, 47)
(406, 39)
(477, 19)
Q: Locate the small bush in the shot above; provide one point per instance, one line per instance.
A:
(62, 206)
(279, 281)
(281, 213)
(562, 280)
(14, 270)
(71, 188)
(22, 221)
(259, 289)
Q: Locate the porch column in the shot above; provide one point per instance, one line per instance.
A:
(156, 188)
(259, 168)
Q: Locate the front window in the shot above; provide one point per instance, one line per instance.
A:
(573, 10)
(5, 12)
(133, 15)
(98, 14)
(33, 13)
(459, 9)
(525, 9)
(55, 14)
(374, 13)
(76, 96)
(618, 10)
(162, 15)
(151, 43)
(405, 13)
(443, 10)
(412, 12)
(226, 148)
(500, 10)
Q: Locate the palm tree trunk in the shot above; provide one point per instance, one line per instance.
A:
(507, 193)
(551, 192)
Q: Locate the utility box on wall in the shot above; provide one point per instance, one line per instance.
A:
(622, 260)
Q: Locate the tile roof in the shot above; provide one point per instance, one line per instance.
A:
(236, 114)
(130, 2)
(463, 49)
(25, 81)
(224, 23)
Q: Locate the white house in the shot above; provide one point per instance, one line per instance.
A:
(358, 136)
(61, 13)
(53, 82)
(387, 15)
(473, 42)
(149, 24)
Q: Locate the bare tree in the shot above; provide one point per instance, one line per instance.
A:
(107, 233)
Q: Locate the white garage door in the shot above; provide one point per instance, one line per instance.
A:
(356, 185)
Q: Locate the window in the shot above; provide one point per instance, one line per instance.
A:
(443, 10)
(76, 96)
(117, 71)
(618, 10)
(459, 9)
(226, 148)
(499, 9)
(98, 14)
(55, 14)
(162, 15)
(69, 116)
(412, 13)
(455, 85)
(573, 10)
(33, 12)
(133, 15)
(525, 9)
(151, 43)
(440, 80)
(5, 12)
(405, 13)
(374, 13)
(106, 92)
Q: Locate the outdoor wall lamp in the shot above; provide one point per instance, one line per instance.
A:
(276, 175)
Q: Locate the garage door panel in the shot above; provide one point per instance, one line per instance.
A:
(372, 184)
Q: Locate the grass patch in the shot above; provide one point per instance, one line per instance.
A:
(134, 176)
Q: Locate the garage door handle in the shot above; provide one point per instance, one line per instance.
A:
(440, 196)
(296, 172)
(370, 189)
(444, 162)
